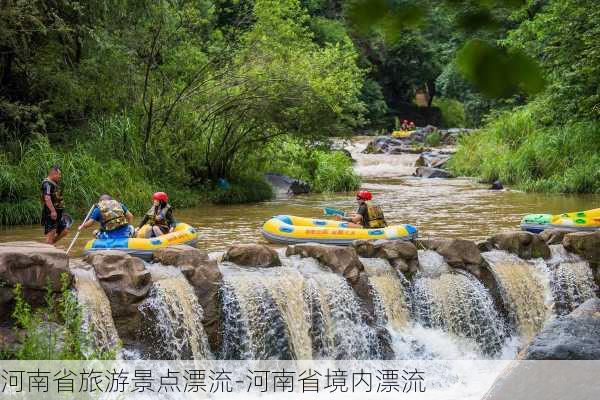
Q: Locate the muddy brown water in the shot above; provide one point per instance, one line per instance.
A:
(440, 208)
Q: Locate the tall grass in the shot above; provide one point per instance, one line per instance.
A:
(518, 150)
(453, 112)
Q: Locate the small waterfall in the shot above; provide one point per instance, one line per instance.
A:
(524, 289)
(265, 314)
(571, 280)
(173, 317)
(388, 290)
(458, 303)
(96, 308)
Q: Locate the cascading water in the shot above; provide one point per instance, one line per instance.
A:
(389, 293)
(173, 317)
(571, 280)
(525, 291)
(458, 303)
(96, 308)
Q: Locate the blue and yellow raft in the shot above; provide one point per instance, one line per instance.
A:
(143, 248)
(289, 229)
(588, 220)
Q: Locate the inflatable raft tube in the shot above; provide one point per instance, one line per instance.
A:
(144, 248)
(575, 221)
(288, 229)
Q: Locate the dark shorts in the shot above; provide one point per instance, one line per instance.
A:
(50, 224)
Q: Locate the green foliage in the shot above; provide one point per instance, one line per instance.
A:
(518, 150)
(244, 189)
(453, 112)
(55, 332)
(433, 139)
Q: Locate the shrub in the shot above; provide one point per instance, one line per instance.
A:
(453, 112)
(433, 139)
(246, 189)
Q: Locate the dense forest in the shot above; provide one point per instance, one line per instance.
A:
(129, 97)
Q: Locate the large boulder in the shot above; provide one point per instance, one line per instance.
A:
(458, 253)
(524, 244)
(553, 236)
(429, 172)
(586, 244)
(252, 255)
(573, 337)
(204, 275)
(432, 159)
(402, 255)
(341, 260)
(287, 185)
(33, 265)
(126, 283)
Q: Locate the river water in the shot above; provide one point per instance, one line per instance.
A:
(449, 208)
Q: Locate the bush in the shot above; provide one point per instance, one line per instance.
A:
(453, 112)
(433, 139)
(518, 150)
(54, 332)
(334, 173)
(248, 189)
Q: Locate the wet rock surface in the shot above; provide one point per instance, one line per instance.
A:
(204, 275)
(429, 172)
(526, 245)
(402, 255)
(252, 255)
(585, 244)
(126, 283)
(572, 337)
(433, 159)
(341, 260)
(288, 185)
(553, 236)
(458, 253)
(34, 266)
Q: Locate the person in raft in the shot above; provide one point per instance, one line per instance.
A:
(114, 219)
(55, 227)
(159, 217)
(367, 216)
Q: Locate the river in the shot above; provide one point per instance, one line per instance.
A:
(440, 208)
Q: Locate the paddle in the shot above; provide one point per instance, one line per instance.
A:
(333, 211)
(78, 230)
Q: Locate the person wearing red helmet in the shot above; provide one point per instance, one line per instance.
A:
(159, 216)
(368, 215)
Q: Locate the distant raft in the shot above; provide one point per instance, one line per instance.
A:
(576, 221)
(144, 248)
(289, 229)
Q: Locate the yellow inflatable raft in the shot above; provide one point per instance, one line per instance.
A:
(143, 248)
(576, 221)
(290, 229)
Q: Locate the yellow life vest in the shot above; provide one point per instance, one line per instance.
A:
(160, 218)
(113, 215)
(375, 216)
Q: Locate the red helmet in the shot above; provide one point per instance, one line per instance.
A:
(160, 196)
(364, 195)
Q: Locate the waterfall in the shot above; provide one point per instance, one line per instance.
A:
(389, 294)
(432, 263)
(459, 304)
(524, 289)
(571, 280)
(173, 317)
(97, 313)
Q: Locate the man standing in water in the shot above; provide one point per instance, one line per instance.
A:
(367, 215)
(53, 207)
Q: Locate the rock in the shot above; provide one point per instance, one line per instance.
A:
(204, 275)
(252, 255)
(524, 244)
(458, 253)
(573, 337)
(428, 172)
(401, 255)
(553, 236)
(285, 184)
(33, 265)
(432, 159)
(419, 134)
(585, 244)
(497, 185)
(126, 283)
(341, 260)
(9, 340)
